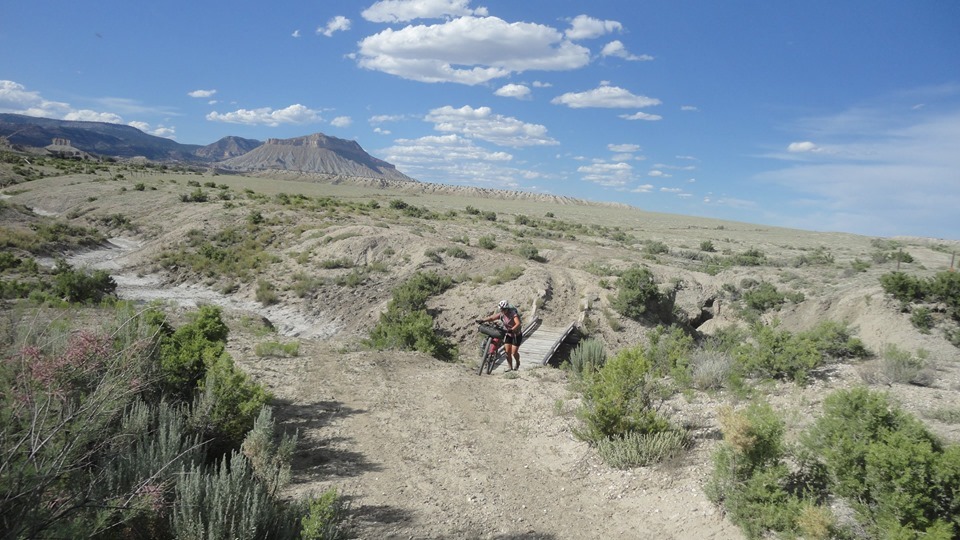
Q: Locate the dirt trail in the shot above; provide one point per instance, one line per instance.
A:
(425, 449)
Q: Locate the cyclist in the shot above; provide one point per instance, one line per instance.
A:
(509, 317)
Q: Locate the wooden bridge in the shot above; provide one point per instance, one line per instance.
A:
(539, 345)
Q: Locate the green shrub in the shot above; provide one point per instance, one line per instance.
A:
(896, 473)
(528, 251)
(457, 252)
(330, 264)
(900, 366)
(669, 348)
(782, 354)
(228, 405)
(750, 477)
(859, 266)
(196, 195)
(406, 325)
(903, 287)
(78, 286)
(641, 449)
(620, 398)
(506, 274)
(707, 246)
(409, 331)
(637, 293)
(324, 518)
(187, 352)
(922, 319)
(268, 454)
(764, 297)
(433, 255)
(750, 257)
(275, 348)
(487, 242)
(818, 257)
(587, 358)
(228, 501)
(266, 293)
(656, 247)
(709, 369)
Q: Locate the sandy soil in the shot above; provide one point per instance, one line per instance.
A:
(426, 449)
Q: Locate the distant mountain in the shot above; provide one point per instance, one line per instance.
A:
(315, 153)
(98, 138)
(226, 148)
(312, 154)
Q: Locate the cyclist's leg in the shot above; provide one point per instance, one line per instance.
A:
(508, 349)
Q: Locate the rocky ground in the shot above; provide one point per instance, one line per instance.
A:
(427, 449)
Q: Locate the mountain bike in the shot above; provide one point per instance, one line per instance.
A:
(490, 348)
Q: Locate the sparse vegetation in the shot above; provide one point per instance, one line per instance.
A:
(773, 481)
(637, 293)
(407, 324)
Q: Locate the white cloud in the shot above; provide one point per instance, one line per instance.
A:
(805, 146)
(15, 98)
(86, 115)
(623, 147)
(159, 131)
(296, 33)
(341, 121)
(645, 188)
(639, 115)
(201, 93)
(518, 91)
(585, 27)
(675, 167)
(732, 202)
(604, 96)
(607, 174)
(541, 84)
(481, 123)
(452, 159)
(381, 118)
(336, 24)
(381, 131)
(658, 174)
(670, 190)
(469, 50)
(294, 114)
(395, 11)
(688, 108)
(616, 48)
(883, 170)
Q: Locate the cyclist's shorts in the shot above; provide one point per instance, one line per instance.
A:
(513, 339)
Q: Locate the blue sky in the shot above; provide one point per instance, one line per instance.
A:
(821, 115)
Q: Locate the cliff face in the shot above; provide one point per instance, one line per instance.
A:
(315, 153)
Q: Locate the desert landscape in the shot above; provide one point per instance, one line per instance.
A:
(424, 448)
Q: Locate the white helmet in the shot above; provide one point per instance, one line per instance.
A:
(503, 304)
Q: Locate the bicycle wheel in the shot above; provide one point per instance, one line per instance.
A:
(491, 361)
(484, 347)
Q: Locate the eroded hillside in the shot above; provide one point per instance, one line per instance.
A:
(421, 445)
